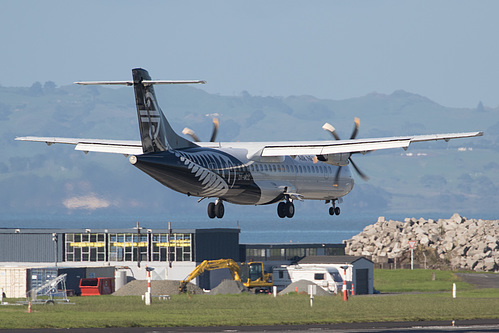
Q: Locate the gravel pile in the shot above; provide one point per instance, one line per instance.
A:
(229, 287)
(158, 287)
(302, 286)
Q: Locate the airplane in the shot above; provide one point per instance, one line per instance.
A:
(244, 173)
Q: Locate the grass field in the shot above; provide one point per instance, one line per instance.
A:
(419, 280)
(246, 309)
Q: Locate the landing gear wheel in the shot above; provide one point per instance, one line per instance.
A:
(337, 211)
(331, 210)
(219, 210)
(281, 209)
(290, 209)
(211, 210)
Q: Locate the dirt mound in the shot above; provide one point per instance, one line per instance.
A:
(302, 286)
(229, 287)
(158, 287)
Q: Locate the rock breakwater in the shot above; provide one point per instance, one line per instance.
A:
(455, 243)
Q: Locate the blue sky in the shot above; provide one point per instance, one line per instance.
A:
(444, 50)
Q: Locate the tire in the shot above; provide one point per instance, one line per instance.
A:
(337, 210)
(211, 210)
(290, 209)
(281, 209)
(331, 211)
(219, 210)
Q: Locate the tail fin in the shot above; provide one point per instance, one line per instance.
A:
(155, 131)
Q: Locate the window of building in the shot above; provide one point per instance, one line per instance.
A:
(128, 247)
(178, 247)
(85, 247)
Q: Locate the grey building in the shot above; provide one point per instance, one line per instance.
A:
(173, 253)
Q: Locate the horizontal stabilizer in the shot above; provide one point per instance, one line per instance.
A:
(144, 82)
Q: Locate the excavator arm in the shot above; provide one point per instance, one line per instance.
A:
(209, 265)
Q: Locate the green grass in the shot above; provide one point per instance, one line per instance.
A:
(246, 309)
(201, 310)
(419, 280)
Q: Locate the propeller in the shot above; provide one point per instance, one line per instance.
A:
(328, 127)
(188, 131)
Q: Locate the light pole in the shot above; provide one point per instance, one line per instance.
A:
(54, 239)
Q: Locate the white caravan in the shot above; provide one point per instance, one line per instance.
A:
(327, 277)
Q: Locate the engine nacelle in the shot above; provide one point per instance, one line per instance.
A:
(335, 159)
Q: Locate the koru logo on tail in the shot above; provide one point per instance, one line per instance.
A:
(151, 115)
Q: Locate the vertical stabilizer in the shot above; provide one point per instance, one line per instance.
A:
(155, 131)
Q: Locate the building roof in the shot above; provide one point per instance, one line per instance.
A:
(143, 230)
(331, 260)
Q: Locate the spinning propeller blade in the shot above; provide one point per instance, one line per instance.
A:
(188, 131)
(328, 127)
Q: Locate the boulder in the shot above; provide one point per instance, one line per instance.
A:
(465, 243)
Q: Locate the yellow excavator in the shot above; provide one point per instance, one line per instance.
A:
(251, 274)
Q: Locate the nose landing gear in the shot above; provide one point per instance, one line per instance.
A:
(216, 209)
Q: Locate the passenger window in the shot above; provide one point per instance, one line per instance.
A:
(319, 276)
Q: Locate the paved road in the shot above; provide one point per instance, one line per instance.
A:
(485, 325)
(481, 280)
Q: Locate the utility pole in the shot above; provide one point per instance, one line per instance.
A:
(138, 244)
(168, 244)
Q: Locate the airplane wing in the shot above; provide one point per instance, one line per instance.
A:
(270, 149)
(124, 147)
(353, 146)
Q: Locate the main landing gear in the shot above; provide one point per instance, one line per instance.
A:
(286, 208)
(216, 209)
(333, 210)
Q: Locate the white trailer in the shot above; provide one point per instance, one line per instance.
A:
(328, 278)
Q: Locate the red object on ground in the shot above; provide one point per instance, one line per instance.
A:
(353, 290)
(345, 291)
(97, 286)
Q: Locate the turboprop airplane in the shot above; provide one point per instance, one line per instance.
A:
(245, 173)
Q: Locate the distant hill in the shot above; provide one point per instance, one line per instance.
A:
(459, 176)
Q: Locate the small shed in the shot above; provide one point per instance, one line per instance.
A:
(360, 271)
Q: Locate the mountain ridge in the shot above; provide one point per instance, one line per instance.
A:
(40, 179)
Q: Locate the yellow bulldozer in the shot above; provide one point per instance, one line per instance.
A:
(251, 274)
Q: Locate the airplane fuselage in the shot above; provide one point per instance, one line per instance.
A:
(228, 174)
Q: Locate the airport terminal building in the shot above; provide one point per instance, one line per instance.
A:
(26, 255)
